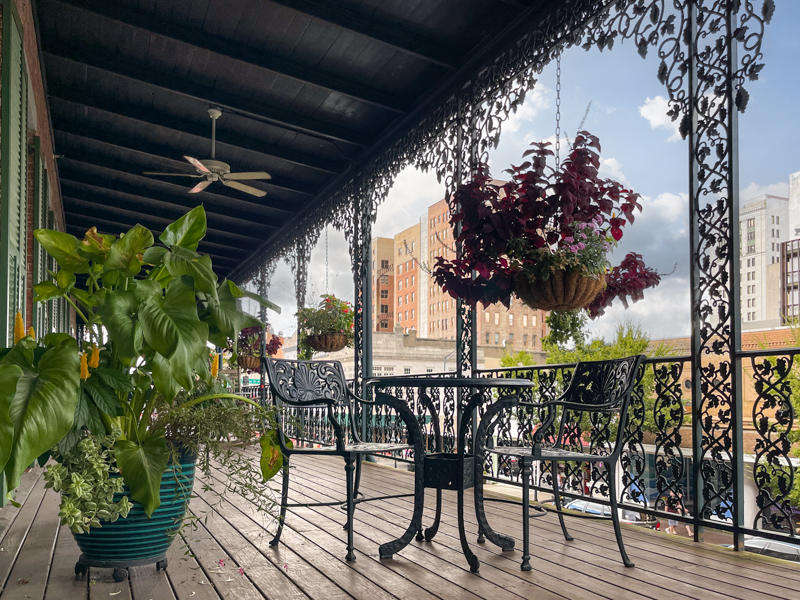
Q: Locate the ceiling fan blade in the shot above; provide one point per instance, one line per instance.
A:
(200, 186)
(172, 174)
(248, 175)
(244, 188)
(197, 164)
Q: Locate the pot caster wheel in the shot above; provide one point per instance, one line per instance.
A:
(120, 574)
(162, 564)
(80, 569)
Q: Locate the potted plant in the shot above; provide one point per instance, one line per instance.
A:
(111, 406)
(327, 328)
(545, 235)
(248, 348)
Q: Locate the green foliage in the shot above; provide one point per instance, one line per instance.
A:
(88, 479)
(160, 307)
(45, 385)
(564, 327)
(521, 358)
(331, 316)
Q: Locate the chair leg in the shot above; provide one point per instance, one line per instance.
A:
(349, 459)
(284, 502)
(356, 485)
(612, 490)
(526, 514)
(557, 498)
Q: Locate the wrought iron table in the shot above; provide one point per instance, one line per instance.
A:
(458, 470)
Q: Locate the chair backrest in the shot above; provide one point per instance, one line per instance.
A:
(306, 382)
(603, 389)
(603, 382)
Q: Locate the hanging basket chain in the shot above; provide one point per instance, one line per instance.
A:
(558, 108)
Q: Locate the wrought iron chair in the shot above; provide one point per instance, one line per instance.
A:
(598, 391)
(322, 385)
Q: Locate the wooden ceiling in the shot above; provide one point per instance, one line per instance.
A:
(306, 88)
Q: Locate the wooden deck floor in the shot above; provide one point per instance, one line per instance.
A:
(37, 556)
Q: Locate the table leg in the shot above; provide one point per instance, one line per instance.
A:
(431, 531)
(388, 549)
(504, 542)
(474, 563)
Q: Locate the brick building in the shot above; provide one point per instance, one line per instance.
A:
(407, 276)
(382, 283)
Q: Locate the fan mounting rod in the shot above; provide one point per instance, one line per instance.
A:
(215, 114)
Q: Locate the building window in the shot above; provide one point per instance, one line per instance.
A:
(777, 220)
(384, 294)
(487, 337)
(385, 280)
(384, 264)
(533, 320)
(524, 339)
(412, 297)
(385, 309)
(406, 298)
(412, 313)
(406, 315)
(388, 370)
(524, 320)
(510, 339)
(496, 338)
(497, 318)
(412, 280)
(376, 370)
(384, 325)
(429, 370)
(399, 301)
(533, 340)
(406, 370)
(487, 317)
(400, 268)
(511, 319)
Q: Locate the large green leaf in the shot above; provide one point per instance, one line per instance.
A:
(120, 317)
(119, 382)
(154, 255)
(238, 292)
(172, 328)
(47, 290)
(123, 252)
(165, 383)
(43, 407)
(145, 288)
(104, 398)
(182, 261)
(187, 231)
(9, 375)
(64, 248)
(96, 246)
(271, 457)
(142, 466)
(225, 316)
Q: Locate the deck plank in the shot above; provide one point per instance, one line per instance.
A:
(186, 575)
(102, 585)
(15, 535)
(26, 484)
(147, 583)
(29, 575)
(62, 583)
(388, 483)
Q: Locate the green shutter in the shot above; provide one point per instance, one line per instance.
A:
(39, 222)
(13, 174)
(51, 266)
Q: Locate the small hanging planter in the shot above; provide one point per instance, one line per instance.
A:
(251, 363)
(327, 342)
(563, 290)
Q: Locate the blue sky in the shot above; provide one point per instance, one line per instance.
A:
(640, 148)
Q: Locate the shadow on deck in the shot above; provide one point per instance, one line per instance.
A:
(37, 557)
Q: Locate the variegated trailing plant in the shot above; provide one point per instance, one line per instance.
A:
(149, 312)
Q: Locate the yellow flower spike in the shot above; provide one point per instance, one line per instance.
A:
(84, 366)
(32, 332)
(94, 360)
(214, 364)
(19, 328)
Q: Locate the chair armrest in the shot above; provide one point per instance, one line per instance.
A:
(405, 415)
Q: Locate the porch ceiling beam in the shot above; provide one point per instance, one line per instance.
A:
(81, 160)
(89, 204)
(71, 177)
(350, 21)
(116, 225)
(203, 41)
(167, 154)
(192, 128)
(227, 102)
(117, 196)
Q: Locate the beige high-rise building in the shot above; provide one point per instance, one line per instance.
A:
(382, 284)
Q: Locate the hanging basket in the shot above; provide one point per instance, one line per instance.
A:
(250, 363)
(563, 290)
(327, 342)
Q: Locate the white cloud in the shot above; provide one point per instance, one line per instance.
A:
(655, 111)
(611, 168)
(669, 208)
(535, 101)
(413, 191)
(754, 190)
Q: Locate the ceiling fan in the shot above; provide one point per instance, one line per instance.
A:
(211, 170)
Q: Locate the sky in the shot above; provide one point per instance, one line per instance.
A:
(640, 148)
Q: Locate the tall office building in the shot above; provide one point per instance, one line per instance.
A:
(406, 274)
(763, 226)
(794, 205)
